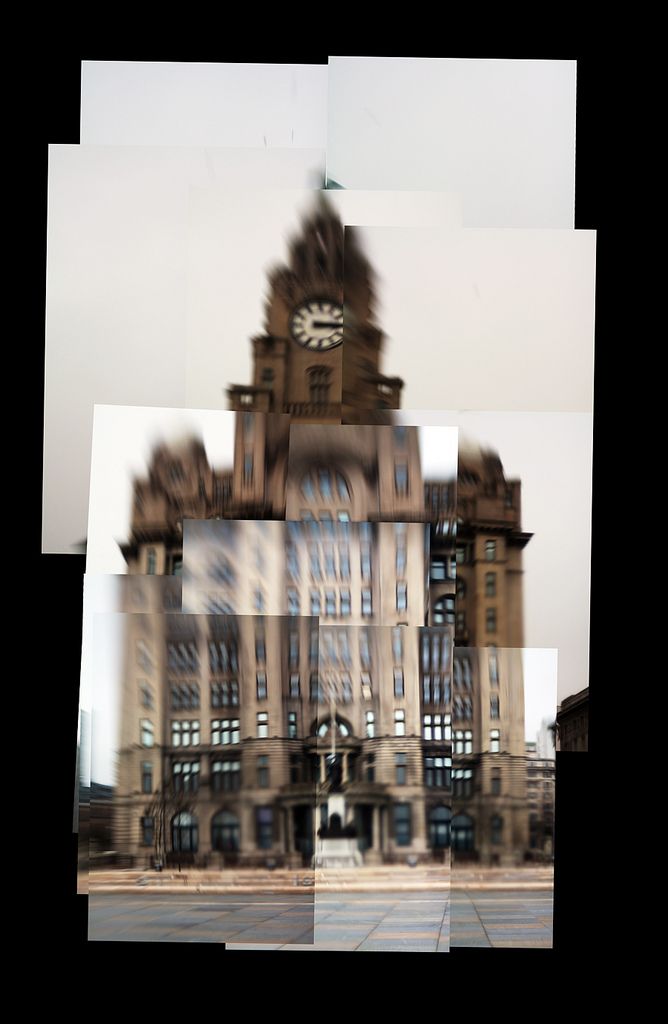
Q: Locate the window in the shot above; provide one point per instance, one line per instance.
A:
(185, 776)
(225, 832)
(399, 723)
(365, 656)
(182, 657)
(490, 584)
(365, 679)
(260, 647)
(347, 688)
(436, 727)
(438, 570)
(494, 669)
(225, 694)
(224, 731)
(463, 741)
(497, 829)
(367, 608)
(314, 687)
(402, 597)
(460, 587)
(292, 725)
(248, 468)
(223, 655)
(264, 827)
(315, 602)
(295, 769)
(344, 561)
(185, 734)
(402, 824)
(226, 776)
(401, 478)
(370, 768)
(294, 685)
(496, 783)
(261, 685)
(365, 562)
(400, 767)
(146, 732)
(262, 725)
(184, 695)
(184, 833)
(494, 707)
(325, 484)
(400, 435)
(444, 610)
(345, 603)
(490, 620)
(146, 695)
(293, 601)
(146, 777)
(267, 375)
(490, 551)
(398, 682)
(151, 560)
(263, 771)
(397, 645)
(462, 782)
(494, 741)
(147, 826)
(437, 770)
(439, 827)
(401, 556)
(370, 725)
(330, 603)
(460, 622)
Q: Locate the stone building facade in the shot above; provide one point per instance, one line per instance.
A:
(316, 655)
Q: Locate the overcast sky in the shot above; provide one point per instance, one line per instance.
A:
(500, 133)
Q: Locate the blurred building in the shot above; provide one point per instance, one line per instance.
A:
(573, 722)
(240, 720)
(541, 772)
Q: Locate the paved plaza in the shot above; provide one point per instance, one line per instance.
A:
(392, 921)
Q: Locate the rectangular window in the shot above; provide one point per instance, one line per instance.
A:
(314, 561)
(226, 776)
(367, 607)
(185, 734)
(402, 824)
(365, 679)
(330, 603)
(402, 597)
(494, 707)
(314, 687)
(263, 770)
(365, 562)
(496, 784)
(262, 725)
(401, 478)
(185, 776)
(293, 601)
(494, 670)
(147, 825)
(399, 722)
(330, 567)
(370, 768)
(490, 551)
(345, 603)
(146, 777)
(494, 741)
(344, 561)
(437, 770)
(365, 655)
(264, 827)
(315, 602)
(292, 725)
(401, 556)
(248, 469)
(294, 684)
(224, 731)
(490, 584)
(347, 688)
(146, 695)
(397, 645)
(225, 693)
(370, 725)
(146, 733)
(398, 682)
(261, 685)
(490, 620)
(400, 766)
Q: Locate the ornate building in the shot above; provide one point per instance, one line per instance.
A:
(314, 657)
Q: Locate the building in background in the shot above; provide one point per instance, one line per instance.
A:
(541, 773)
(573, 722)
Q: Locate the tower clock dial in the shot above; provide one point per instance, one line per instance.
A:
(317, 324)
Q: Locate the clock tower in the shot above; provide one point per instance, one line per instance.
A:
(318, 358)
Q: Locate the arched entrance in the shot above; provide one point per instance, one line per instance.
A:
(185, 837)
(463, 831)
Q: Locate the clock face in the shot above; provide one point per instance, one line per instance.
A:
(317, 324)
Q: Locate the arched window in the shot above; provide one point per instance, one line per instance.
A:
(323, 728)
(184, 833)
(225, 832)
(444, 610)
(462, 832)
(439, 827)
(318, 383)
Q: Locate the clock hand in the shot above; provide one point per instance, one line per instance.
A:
(325, 323)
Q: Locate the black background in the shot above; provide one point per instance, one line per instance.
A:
(49, 113)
